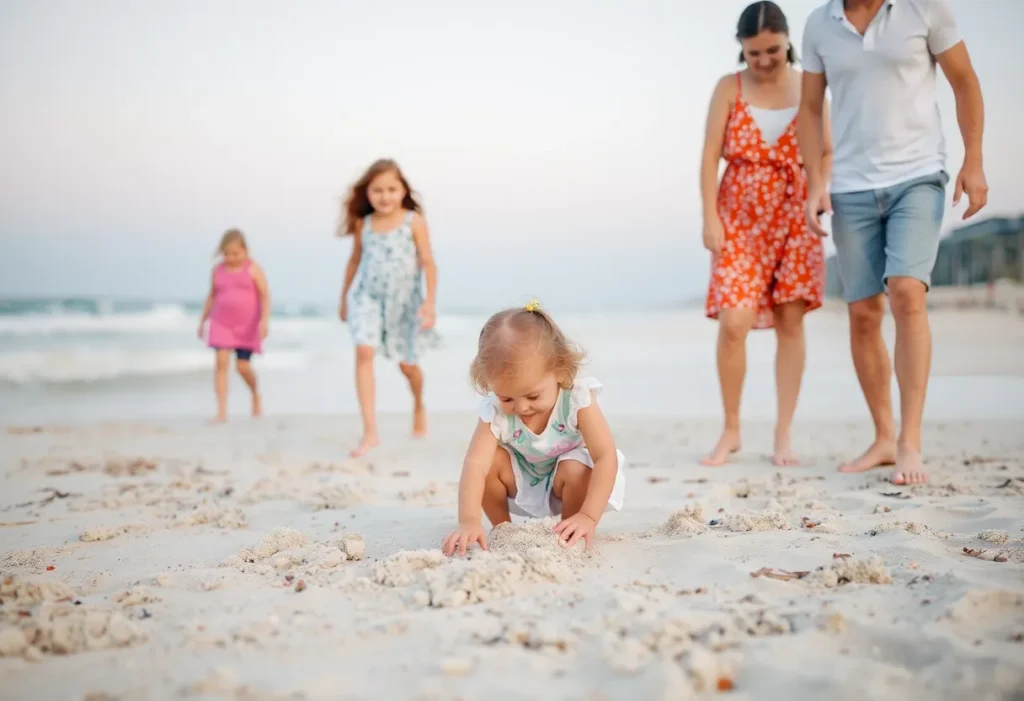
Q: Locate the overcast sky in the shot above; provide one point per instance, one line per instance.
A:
(564, 134)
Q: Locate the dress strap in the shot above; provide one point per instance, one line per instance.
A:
(408, 217)
(739, 82)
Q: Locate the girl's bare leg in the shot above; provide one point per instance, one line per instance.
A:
(366, 392)
(414, 375)
(572, 479)
(244, 368)
(220, 384)
(499, 488)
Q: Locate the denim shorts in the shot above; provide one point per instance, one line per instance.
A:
(890, 232)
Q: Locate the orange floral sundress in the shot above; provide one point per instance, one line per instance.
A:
(769, 256)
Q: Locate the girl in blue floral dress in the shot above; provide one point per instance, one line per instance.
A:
(383, 298)
(542, 446)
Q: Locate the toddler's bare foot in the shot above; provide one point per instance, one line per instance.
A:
(784, 455)
(909, 468)
(727, 444)
(419, 421)
(882, 452)
(257, 406)
(367, 444)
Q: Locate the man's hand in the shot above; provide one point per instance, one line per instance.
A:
(971, 180)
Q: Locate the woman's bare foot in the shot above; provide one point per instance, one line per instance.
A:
(784, 455)
(257, 406)
(419, 421)
(909, 468)
(729, 443)
(367, 444)
(882, 452)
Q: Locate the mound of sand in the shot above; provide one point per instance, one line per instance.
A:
(16, 592)
(528, 553)
(771, 520)
(210, 515)
(688, 522)
(37, 618)
(850, 571)
(997, 537)
(288, 551)
(93, 535)
(704, 646)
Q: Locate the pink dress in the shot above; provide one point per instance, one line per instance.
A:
(235, 317)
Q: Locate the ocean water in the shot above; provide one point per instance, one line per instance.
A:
(84, 359)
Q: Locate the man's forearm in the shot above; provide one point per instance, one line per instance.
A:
(970, 115)
(810, 132)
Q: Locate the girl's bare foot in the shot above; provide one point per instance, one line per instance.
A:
(257, 406)
(419, 421)
(729, 443)
(909, 468)
(367, 444)
(882, 452)
(784, 455)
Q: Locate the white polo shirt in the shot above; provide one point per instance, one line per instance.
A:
(886, 127)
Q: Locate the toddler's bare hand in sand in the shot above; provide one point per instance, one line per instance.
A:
(575, 527)
(464, 536)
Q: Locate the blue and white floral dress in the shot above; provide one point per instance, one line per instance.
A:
(387, 294)
(535, 457)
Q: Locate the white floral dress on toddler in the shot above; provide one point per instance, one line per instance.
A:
(535, 457)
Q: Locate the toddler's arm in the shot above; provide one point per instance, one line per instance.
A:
(479, 457)
(598, 438)
(475, 467)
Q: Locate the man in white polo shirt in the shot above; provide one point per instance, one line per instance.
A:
(888, 185)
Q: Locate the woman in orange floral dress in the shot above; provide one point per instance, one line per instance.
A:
(768, 269)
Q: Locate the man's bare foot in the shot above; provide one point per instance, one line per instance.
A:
(784, 455)
(257, 406)
(727, 444)
(909, 468)
(419, 421)
(367, 444)
(881, 452)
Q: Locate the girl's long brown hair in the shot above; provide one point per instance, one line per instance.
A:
(357, 204)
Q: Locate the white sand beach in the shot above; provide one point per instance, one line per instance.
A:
(156, 559)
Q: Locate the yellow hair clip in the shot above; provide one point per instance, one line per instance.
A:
(533, 306)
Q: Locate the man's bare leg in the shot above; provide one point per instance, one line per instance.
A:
(874, 372)
(913, 364)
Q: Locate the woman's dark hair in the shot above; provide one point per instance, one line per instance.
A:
(763, 16)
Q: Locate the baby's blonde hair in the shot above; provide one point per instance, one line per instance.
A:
(231, 236)
(511, 334)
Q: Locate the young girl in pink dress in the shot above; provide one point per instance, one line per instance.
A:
(238, 309)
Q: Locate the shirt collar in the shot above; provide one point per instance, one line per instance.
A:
(838, 12)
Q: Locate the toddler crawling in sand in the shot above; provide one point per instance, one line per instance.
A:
(542, 446)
